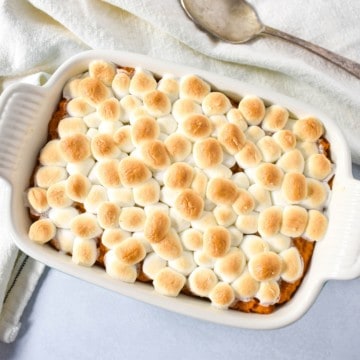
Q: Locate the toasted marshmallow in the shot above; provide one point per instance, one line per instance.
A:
(169, 248)
(118, 270)
(269, 176)
(317, 194)
(235, 117)
(57, 195)
(244, 203)
(133, 172)
(269, 149)
(51, 155)
(285, 139)
(95, 197)
(218, 171)
(231, 138)
(249, 156)
(253, 109)
(253, 245)
(278, 242)
(130, 251)
(85, 226)
(241, 180)
(79, 107)
(62, 217)
(203, 259)
(169, 282)
(152, 264)
(102, 70)
(157, 226)
(265, 266)
(157, 103)
(294, 187)
(268, 293)
(130, 104)
(154, 154)
(71, 88)
(169, 86)
(202, 281)
(230, 266)
(107, 173)
(80, 167)
(292, 161)
(196, 126)
(275, 118)
(207, 153)
(224, 215)
(261, 195)
(199, 183)
(123, 139)
(206, 220)
(216, 241)
(269, 221)
(236, 236)
(254, 133)
(42, 231)
(141, 83)
(184, 264)
(178, 147)
(123, 197)
(93, 91)
(318, 166)
(184, 107)
(194, 88)
(178, 223)
(64, 240)
(222, 295)
(189, 204)
(84, 252)
(147, 193)
(308, 129)
(110, 110)
(247, 223)
(222, 191)
(307, 148)
(75, 148)
(178, 176)
(293, 265)
(92, 121)
(71, 126)
(215, 103)
(132, 219)
(112, 237)
(245, 286)
(103, 147)
(317, 225)
(295, 219)
(108, 215)
(192, 239)
(46, 176)
(120, 84)
(37, 199)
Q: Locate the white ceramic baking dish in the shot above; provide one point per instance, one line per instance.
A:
(24, 114)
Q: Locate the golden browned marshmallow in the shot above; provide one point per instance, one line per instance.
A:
(169, 282)
(265, 266)
(169, 248)
(184, 107)
(178, 176)
(170, 86)
(294, 220)
(216, 241)
(269, 149)
(147, 193)
(293, 265)
(93, 91)
(199, 182)
(120, 84)
(131, 104)
(215, 103)
(207, 153)
(292, 160)
(108, 215)
(130, 251)
(308, 129)
(286, 139)
(222, 295)
(71, 126)
(84, 251)
(202, 281)
(268, 293)
(247, 223)
(189, 204)
(261, 196)
(254, 133)
(184, 264)
(222, 191)
(245, 286)
(235, 117)
(194, 88)
(157, 103)
(224, 215)
(269, 176)
(42, 231)
(253, 245)
(57, 195)
(103, 146)
(96, 196)
(152, 264)
(113, 236)
(141, 83)
(317, 225)
(71, 88)
(133, 172)
(269, 221)
(294, 187)
(318, 166)
(118, 270)
(77, 187)
(50, 154)
(102, 70)
(244, 203)
(275, 118)
(307, 148)
(46, 176)
(231, 138)
(75, 148)
(79, 107)
(252, 108)
(157, 226)
(230, 266)
(192, 239)
(108, 173)
(154, 154)
(123, 139)
(178, 146)
(196, 126)
(317, 194)
(110, 110)
(132, 218)
(85, 226)
(37, 199)
(249, 156)
(203, 259)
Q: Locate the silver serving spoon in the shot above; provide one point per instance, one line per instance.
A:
(236, 21)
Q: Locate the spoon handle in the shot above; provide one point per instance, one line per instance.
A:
(350, 66)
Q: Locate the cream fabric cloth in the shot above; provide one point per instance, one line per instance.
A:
(38, 35)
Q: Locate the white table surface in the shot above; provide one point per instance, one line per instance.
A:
(70, 319)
